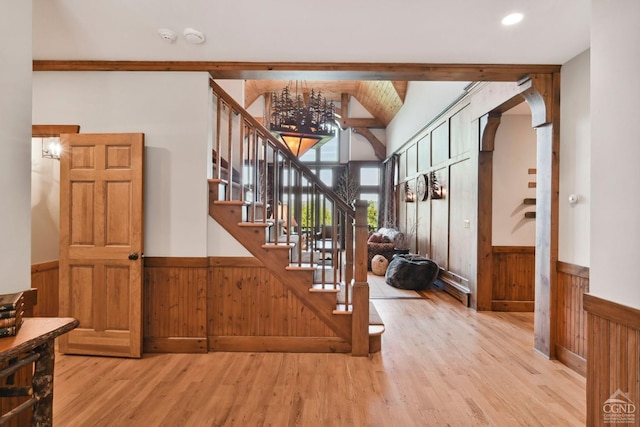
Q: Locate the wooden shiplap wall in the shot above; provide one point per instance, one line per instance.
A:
(194, 305)
(247, 304)
(44, 277)
(613, 361)
(175, 311)
(571, 333)
(513, 286)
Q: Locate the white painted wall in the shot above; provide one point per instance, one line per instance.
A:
(514, 154)
(615, 151)
(15, 140)
(359, 148)
(575, 161)
(171, 109)
(219, 241)
(423, 102)
(45, 205)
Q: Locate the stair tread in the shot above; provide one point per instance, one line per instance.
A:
(376, 329)
(229, 202)
(376, 325)
(253, 224)
(299, 268)
(278, 246)
(327, 290)
(329, 287)
(219, 181)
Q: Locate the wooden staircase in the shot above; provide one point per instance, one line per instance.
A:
(264, 174)
(275, 258)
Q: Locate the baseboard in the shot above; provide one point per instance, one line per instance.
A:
(571, 360)
(279, 344)
(514, 306)
(175, 345)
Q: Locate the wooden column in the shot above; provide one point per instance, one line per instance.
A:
(488, 126)
(360, 319)
(542, 93)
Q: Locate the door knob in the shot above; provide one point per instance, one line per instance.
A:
(133, 256)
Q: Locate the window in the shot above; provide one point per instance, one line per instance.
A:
(326, 153)
(369, 176)
(326, 176)
(372, 209)
(369, 181)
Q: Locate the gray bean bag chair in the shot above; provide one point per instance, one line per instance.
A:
(411, 272)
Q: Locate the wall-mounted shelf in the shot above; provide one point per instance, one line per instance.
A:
(529, 201)
(532, 171)
(529, 214)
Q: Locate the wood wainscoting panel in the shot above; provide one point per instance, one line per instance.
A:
(513, 278)
(175, 305)
(45, 278)
(571, 333)
(245, 301)
(613, 361)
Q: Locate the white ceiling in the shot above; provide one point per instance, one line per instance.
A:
(407, 31)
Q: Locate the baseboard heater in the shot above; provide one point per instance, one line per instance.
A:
(455, 286)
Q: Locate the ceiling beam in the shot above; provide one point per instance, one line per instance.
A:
(378, 147)
(347, 122)
(314, 70)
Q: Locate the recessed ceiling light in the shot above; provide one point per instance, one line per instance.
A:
(167, 35)
(512, 18)
(194, 36)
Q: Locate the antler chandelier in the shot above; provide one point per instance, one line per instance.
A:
(302, 122)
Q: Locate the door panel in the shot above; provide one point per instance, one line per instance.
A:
(101, 228)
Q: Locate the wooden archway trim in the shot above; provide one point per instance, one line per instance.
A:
(489, 124)
(542, 93)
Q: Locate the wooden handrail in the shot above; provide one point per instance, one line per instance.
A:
(281, 147)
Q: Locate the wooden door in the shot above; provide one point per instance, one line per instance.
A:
(101, 243)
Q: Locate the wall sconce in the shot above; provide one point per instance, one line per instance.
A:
(51, 148)
(409, 195)
(435, 189)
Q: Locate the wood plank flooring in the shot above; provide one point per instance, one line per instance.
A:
(378, 289)
(441, 365)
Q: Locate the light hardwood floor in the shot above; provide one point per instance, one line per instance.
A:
(441, 365)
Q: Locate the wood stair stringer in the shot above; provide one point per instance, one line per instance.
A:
(299, 282)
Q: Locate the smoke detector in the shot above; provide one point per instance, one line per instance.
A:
(167, 35)
(194, 36)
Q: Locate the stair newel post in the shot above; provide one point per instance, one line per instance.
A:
(335, 249)
(230, 152)
(218, 154)
(360, 317)
(263, 143)
(298, 210)
(349, 253)
(254, 165)
(273, 195)
(241, 139)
